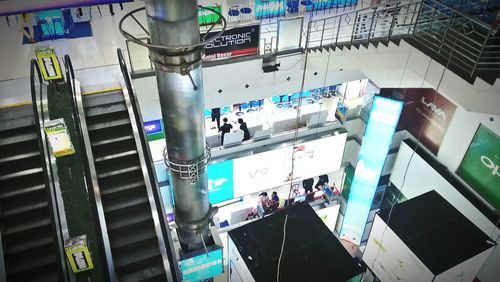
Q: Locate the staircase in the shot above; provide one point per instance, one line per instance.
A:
(127, 211)
(27, 229)
(468, 47)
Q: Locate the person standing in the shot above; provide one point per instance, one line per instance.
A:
(323, 179)
(308, 187)
(225, 128)
(244, 128)
(216, 116)
(25, 20)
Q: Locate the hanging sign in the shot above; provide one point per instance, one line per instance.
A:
(49, 65)
(243, 40)
(58, 137)
(78, 254)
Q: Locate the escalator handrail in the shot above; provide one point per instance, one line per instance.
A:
(39, 117)
(174, 274)
(70, 77)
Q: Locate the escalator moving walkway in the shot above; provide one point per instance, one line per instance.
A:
(26, 224)
(127, 211)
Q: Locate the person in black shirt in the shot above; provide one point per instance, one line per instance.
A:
(323, 179)
(225, 128)
(308, 187)
(216, 117)
(244, 128)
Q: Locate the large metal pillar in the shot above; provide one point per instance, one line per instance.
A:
(174, 23)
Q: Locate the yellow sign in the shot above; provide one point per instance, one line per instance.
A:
(78, 254)
(59, 139)
(49, 65)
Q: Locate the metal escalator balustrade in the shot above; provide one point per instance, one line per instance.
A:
(123, 188)
(29, 231)
(436, 29)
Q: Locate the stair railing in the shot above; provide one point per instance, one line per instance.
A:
(472, 44)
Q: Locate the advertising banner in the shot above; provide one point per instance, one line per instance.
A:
(206, 17)
(243, 40)
(380, 128)
(220, 182)
(59, 139)
(202, 266)
(480, 165)
(49, 65)
(423, 115)
(154, 129)
(78, 254)
(274, 168)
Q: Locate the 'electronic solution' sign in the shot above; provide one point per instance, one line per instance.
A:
(384, 117)
(237, 41)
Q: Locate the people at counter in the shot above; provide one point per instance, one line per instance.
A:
(225, 128)
(323, 179)
(308, 187)
(244, 128)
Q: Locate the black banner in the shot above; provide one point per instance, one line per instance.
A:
(243, 40)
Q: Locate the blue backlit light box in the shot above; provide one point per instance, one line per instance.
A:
(384, 117)
(202, 266)
(220, 181)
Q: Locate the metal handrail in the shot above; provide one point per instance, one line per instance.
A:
(429, 22)
(166, 242)
(90, 171)
(72, 87)
(39, 115)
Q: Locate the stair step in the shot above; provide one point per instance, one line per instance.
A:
(111, 123)
(22, 137)
(99, 100)
(125, 188)
(23, 227)
(128, 257)
(20, 164)
(28, 246)
(25, 155)
(41, 204)
(114, 148)
(112, 140)
(41, 257)
(123, 219)
(132, 234)
(21, 191)
(105, 109)
(112, 205)
(116, 156)
(148, 270)
(21, 173)
(110, 133)
(119, 171)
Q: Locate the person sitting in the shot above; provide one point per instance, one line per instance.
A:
(244, 128)
(225, 128)
(275, 201)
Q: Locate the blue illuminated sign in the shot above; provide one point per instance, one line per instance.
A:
(153, 126)
(220, 181)
(202, 267)
(384, 117)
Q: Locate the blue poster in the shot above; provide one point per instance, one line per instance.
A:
(202, 267)
(220, 181)
(384, 117)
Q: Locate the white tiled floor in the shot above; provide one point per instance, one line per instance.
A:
(86, 52)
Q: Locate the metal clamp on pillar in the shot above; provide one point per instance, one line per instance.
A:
(188, 170)
(175, 58)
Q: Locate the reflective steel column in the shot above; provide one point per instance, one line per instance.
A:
(174, 23)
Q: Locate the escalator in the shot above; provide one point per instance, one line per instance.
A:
(29, 235)
(123, 187)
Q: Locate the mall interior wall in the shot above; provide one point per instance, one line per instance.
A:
(421, 178)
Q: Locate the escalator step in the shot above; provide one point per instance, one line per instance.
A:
(28, 247)
(22, 137)
(103, 99)
(25, 155)
(104, 125)
(20, 148)
(115, 156)
(113, 205)
(113, 148)
(118, 172)
(125, 188)
(148, 270)
(20, 164)
(43, 273)
(20, 174)
(117, 162)
(132, 234)
(13, 210)
(38, 222)
(8, 193)
(39, 258)
(112, 140)
(106, 134)
(123, 219)
(131, 256)
(105, 109)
